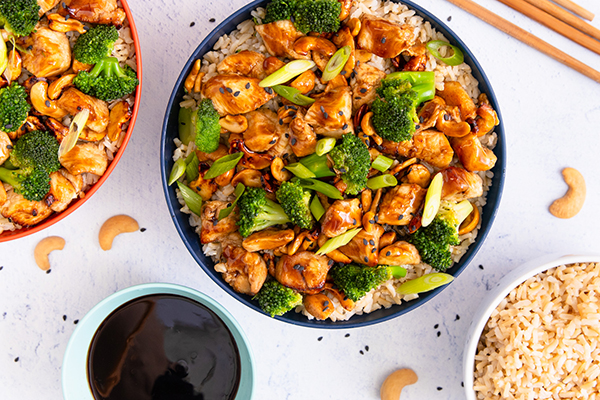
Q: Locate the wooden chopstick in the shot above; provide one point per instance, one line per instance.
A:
(567, 17)
(526, 37)
(569, 5)
(553, 23)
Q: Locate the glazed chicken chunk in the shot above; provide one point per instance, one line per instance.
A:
(85, 157)
(73, 101)
(384, 38)
(400, 204)
(367, 80)
(471, 153)
(49, 53)
(331, 114)
(62, 192)
(279, 38)
(94, 11)
(304, 271)
(364, 247)
(268, 239)
(429, 145)
(246, 63)
(303, 138)
(246, 272)
(261, 134)
(22, 211)
(213, 229)
(460, 184)
(341, 216)
(399, 253)
(235, 94)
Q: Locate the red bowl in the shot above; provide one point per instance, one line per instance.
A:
(54, 218)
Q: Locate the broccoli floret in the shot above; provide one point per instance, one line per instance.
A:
(356, 281)
(107, 80)
(13, 107)
(352, 160)
(317, 15)
(208, 130)
(258, 212)
(92, 46)
(31, 183)
(394, 112)
(276, 299)
(19, 17)
(278, 10)
(296, 204)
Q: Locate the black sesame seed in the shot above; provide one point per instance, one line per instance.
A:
(64, 317)
(352, 75)
(480, 266)
(371, 221)
(343, 170)
(215, 222)
(389, 253)
(462, 384)
(1, 267)
(8, 126)
(212, 20)
(17, 359)
(292, 19)
(269, 90)
(449, 18)
(222, 90)
(30, 47)
(417, 127)
(400, 217)
(439, 334)
(294, 141)
(236, 94)
(67, 17)
(273, 141)
(373, 250)
(76, 321)
(287, 135)
(292, 113)
(357, 63)
(421, 119)
(343, 73)
(365, 242)
(34, 212)
(320, 338)
(340, 113)
(9, 146)
(446, 117)
(229, 90)
(366, 259)
(285, 155)
(436, 326)
(47, 103)
(457, 317)
(48, 271)
(294, 108)
(357, 98)
(345, 298)
(377, 218)
(382, 40)
(367, 142)
(354, 221)
(330, 262)
(361, 352)
(439, 388)
(363, 90)
(326, 303)
(322, 109)
(367, 348)
(281, 122)
(192, 23)
(347, 335)
(247, 85)
(372, 242)
(86, 28)
(325, 115)
(345, 126)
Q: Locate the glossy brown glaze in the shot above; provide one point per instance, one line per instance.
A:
(341, 216)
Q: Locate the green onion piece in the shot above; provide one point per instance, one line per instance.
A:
(316, 207)
(239, 190)
(336, 63)
(191, 198)
(424, 283)
(328, 190)
(300, 170)
(382, 181)
(325, 145)
(293, 95)
(177, 171)
(187, 125)
(462, 210)
(413, 77)
(338, 241)
(191, 168)
(398, 271)
(317, 165)
(75, 129)
(381, 163)
(432, 199)
(223, 165)
(3, 56)
(287, 72)
(455, 59)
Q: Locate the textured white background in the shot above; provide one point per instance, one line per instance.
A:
(551, 116)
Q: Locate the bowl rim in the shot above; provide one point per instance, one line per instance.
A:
(489, 215)
(75, 385)
(7, 236)
(498, 293)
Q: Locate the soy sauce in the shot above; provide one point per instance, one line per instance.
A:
(161, 347)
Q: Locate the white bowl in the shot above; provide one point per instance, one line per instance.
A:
(496, 295)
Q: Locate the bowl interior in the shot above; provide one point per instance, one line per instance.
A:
(191, 240)
(74, 369)
(12, 235)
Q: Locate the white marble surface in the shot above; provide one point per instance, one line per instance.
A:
(551, 116)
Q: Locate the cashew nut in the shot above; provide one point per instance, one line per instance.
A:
(56, 88)
(114, 226)
(78, 66)
(354, 25)
(249, 177)
(278, 171)
(272, 64)
(234, 123)
(44, 248)
(305, 82)
(395, 382)
(190, 81)
(58, 23)
(41, 102)
(312, 43)
(571, 203)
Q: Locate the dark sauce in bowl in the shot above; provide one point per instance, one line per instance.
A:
(161, 347)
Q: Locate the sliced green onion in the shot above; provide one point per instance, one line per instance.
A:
(3, 56)
(414, 77)
(328, 190)
(287, 72)
(338, 241)
(191, 168)
(177, 171)
(316, 207)
(381, 163)
(325, 145)
(455, 59)
(424, 283)
(382, 181)
(300, 170)
(239, 190)
(187, 125)
(462, 210)
(317, 165)
(293, 95)
(397, 271)
(336, 63)
(432, 199)
(75, 130)
(191, 198)
(223, 165)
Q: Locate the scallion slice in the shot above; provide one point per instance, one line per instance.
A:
(324, 146)
(3, 56)
(223, 165)
(382, 181)
(338, 241)
(300, 170)
(432, 199)
(317, 165)
(424, 283)
(336, 63)
(191, 198)
(381, 163)
(462, 210)
(239, 190)
(414, 77)
(328, 190)
(287, 72)
(75, 129)
(317, 208)
(177, 171)
(187, 125)
(455, 59)
(293, 95)
(191, 167)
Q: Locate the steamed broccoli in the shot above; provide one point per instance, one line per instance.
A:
(356, 281)
(258, 212)
(19, 17)
(278, 10)
(276, 299)
(353, 161)
(92, 46)
(13, 107)
(317, 15)
(107, 80)
(295, 201)
(208, 130)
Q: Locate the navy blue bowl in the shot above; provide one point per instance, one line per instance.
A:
(192, 241)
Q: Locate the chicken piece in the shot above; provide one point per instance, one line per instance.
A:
(85, 157)
(400, 204)
(3, 195)
(282, 148)
(367, 80)
(246, 63)
(204, 187)
(460, 184)
(331, 114)
(251, 159)
(364, 247)
(62, 192)
(455, 95)
(22, 211)
(429, 145)
(305, 82)
(305, 271)
(341, 216)
(279, 38)
(235, 94)
(94, 11)
(418, 174)
(246, 272)
(303, 138)
(399, 253)
(119, 115)
(471, 153)
(318, 305)
(5, 146)
(342, 38)
(268, 239)
(49, 52)
(213, 229)
(47, 5)
(74, 101)
(384, 38)
(261, 134)
(221, 151)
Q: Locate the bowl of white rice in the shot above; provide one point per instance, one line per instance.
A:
(537, 334)
(237, 33)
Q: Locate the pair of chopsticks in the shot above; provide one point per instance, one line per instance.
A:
(553, 17)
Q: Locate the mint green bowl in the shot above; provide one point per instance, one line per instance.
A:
(74, 368)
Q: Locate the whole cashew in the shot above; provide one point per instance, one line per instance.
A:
(114, 226)
(395, 382)
(571, 203)
(44, 248)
